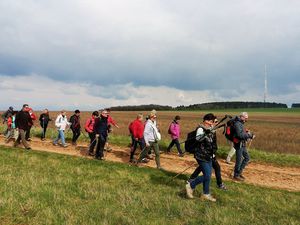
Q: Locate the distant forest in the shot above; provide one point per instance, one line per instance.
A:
(204, 106)
(296, 105)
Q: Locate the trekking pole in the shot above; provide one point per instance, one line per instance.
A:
(190, 166)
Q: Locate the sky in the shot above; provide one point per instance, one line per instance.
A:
(92, 54)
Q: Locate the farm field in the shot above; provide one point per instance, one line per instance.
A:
(46, 188)
(276, 130)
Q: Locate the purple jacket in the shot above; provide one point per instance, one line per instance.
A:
(174, 130)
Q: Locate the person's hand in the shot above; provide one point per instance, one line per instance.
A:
(147, 144)
(136, 139)
(97, 135)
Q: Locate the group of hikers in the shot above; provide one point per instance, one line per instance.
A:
(144, 133)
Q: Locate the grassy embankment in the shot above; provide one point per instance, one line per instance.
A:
(46, 188)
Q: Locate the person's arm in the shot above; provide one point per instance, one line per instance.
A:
(240, 132)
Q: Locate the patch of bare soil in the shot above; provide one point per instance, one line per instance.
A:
(265, 175)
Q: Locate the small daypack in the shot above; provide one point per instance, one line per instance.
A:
(191, 143)
(230, 130)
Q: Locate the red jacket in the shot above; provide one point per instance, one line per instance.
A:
(89, 125)
(137, 128)
(110, 120)
(9, 122)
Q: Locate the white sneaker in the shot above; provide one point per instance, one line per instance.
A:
(209, 197)
(189, 190)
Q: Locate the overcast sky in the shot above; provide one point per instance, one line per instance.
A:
(92, 53)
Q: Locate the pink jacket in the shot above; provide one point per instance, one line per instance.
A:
(174, 130)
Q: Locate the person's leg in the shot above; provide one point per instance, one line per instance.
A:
(157, 154)
(23, 135)
(144, 153)
(217, 168)
(100, 147)
(238, 160)
(230, 153)
(62, 137)
(170, 146)
(27, 134)
(92, 137)
(196, 172)
(134, 146)
(178, 146)
(44, 131)
(245, 160)
(57, 139)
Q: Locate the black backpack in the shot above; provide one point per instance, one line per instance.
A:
(191, 143)
(230, 130)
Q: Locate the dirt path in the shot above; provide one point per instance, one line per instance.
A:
(287, 178)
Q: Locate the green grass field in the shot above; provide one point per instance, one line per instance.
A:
(44, 188)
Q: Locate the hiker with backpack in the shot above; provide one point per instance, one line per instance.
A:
(5, 116)
(137, 132)
(101, 130)
(61, 123)
(23, 120)
(44, 120)
(215, 165)
(12, 132)
(151, 137)
(206, 145)
(75, 126)
(241, 136)
(174, 131)
(89, 128)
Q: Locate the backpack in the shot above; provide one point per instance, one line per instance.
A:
(191, 143)
(230, 130)
(169, 130)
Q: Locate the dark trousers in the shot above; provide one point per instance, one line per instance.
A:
(21, 137)
(175, 142)
(241, 160)
(27, 134)
(93, 142)
(44, 129)
(135, 143)
(100, 146)
(76, 134)
(215, 166)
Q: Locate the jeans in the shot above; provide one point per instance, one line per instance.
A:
(215, 166)
(206, 168)
(141, 143)
(144, 153)
(242, 159)
(61, 135)
(175, 142)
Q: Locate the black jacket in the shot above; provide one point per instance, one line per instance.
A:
(206, 146)
(101, 126)
(44, 119)
(75, 122)
(23, 120)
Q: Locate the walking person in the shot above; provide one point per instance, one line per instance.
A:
(5, 116)
(89, 128)
(44, 120)
(12, 132)
(151, 137)
(206, 146)
(174, 131)
(111, 122)
(61, 123)
(101, 130)
(23, 120)
(242, 155)
(75, 126)
(137, 132)
(33, 118)
(215, 165)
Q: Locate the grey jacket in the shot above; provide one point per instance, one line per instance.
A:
(240, 132)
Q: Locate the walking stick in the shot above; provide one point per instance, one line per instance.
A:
(190, 166)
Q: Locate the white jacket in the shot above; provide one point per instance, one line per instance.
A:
(61, 122)
(151, 132)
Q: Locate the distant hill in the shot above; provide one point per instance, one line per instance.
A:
(296, 105)
(202, 106)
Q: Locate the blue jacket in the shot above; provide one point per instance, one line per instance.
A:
(240, 132)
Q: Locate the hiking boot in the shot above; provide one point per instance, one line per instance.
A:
(99, 158)
(132, 161)
(28, 139)
(149, 157)
(65, 145)
(160, 168)
(108, 149)
(28, 148)
(180, 154)
(238, 178)
(241, 176)
(189, 190)
(145, 160)
(228, 162)
(209, 197)
(91, 154)
(222, 187)
(55, 144)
